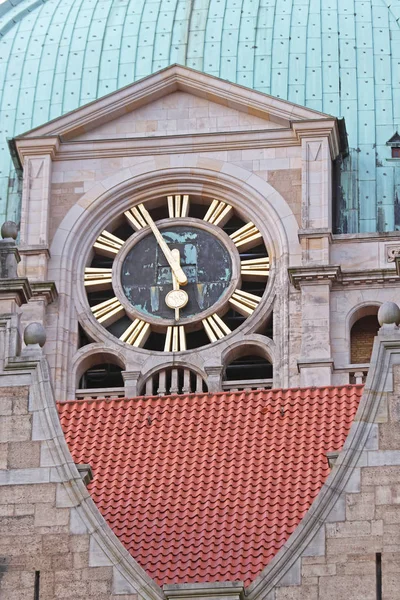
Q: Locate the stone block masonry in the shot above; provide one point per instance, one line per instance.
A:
(52, 538)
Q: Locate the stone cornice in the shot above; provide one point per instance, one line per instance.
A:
(16, 289)
(33, 250)
(37, 147)
(333, 274)
(315, 233)
(67, 149)
(320, 128)
(313, 275)
(46, 289)
(367, 277)
(306, 363)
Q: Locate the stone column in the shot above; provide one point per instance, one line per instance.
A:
(131, 379)
(214, 378)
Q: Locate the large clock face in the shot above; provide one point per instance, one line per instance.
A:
(147, 278)
(176, 274)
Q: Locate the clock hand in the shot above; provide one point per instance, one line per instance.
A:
(176, 298)
(175, 266)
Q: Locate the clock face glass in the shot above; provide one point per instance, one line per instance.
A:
(146, 276)
(176, 273)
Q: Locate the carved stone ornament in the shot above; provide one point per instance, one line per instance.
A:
(392, 252)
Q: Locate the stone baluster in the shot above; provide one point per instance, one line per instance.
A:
(162, 379)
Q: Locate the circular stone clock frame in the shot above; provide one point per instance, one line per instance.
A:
(192, 322)
(102, 328)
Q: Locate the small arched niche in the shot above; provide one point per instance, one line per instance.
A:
(364, 327)
(247, 367)
(100, 376)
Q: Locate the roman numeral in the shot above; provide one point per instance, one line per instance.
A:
(175, 340)
(246, 237)
(218, 213)
(255, 268)
(244, 303)
(108, 244)
(135, 218)
(178, 206)
(215, 328)
(108, 312)
(97, 279)
(137, 333)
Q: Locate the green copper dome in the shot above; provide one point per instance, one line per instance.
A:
(337, 56)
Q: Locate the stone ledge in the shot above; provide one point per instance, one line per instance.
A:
(314, 275)
(17, 289)
(224, 590)
(45, 288)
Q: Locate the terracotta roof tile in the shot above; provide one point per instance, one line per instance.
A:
(208, 487)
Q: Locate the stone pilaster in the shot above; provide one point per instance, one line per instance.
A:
(315, 363)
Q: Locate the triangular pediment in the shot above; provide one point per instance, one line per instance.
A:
(132, 109)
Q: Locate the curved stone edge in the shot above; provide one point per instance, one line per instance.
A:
(360, 450)
(57, 466)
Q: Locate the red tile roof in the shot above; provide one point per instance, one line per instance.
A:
(208, 487)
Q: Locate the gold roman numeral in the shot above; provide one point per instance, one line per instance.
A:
(135, 218)
(108, 312)
(218, 213)
(178, 206)
(246, 237)
(215, 328)
(244, 303)
(175, 340)
(108, 244)
(97, 279)
(255, 268)
(137, 333)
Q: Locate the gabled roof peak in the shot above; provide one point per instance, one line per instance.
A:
(164, 82)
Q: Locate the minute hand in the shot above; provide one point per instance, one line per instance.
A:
(175, 266)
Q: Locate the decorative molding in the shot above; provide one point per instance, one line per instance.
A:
(368, 277)
(16, 289)
(311, 363)
(323, 274)
(34, 250)
(37, 147)
(306, 234)
(315, 274)
(46, 289)
(392, 252)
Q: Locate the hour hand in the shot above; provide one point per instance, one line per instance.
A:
(173, 263)
(176, 298)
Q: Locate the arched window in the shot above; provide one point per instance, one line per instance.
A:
(248, 368)
(362, 336)
(99, 375)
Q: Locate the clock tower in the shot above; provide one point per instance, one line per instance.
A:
(187, 225)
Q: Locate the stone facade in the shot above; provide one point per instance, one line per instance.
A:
(265, 156)
(53, 537)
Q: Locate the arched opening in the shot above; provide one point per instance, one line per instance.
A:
(362, 335)
(99, 375)
(104, 375)
(247, 367)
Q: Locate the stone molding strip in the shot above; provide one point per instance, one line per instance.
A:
(333, 274)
